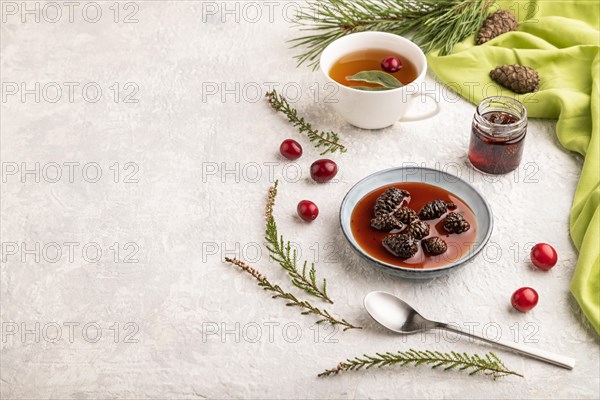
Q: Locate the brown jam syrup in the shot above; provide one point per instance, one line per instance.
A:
(498, 135)
(369, 239)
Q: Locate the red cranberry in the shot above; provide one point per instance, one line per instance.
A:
(391, 64)
(307, 210)
(323, 170)
(544, 256)
(290, 149)
(524, 299)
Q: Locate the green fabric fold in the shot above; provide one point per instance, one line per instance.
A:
(560, 39)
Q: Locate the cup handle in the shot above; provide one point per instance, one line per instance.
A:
(426, 115)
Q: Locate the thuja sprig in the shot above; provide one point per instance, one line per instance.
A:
(280, 251)
(328, 141)
(489, 364)
(435, 24)
(292, 301)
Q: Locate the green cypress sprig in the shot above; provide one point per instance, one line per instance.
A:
(435, 24)
(489, 364)
(281, 252)
(328, 141)
(292, 301)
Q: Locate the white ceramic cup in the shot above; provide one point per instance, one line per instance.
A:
(376, 109)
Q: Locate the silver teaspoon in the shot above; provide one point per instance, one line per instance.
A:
(398, 316)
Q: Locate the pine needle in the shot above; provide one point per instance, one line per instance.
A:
(435, 24)
(488, 365)
(281, 252)
(292, 301)
(329, 140)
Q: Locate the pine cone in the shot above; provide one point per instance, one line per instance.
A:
(518, 78)
(418, 229)
(386, 222)
(401, 245)
(435, 209)
(434, 245)
(390, 201)
(496, 24)
(406, 215)
(456, 223)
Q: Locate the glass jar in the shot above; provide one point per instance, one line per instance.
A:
(498, 135)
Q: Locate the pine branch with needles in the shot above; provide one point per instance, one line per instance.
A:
(328, 141)
(281, 252)
(292, 301)
(435, 24)
(488, 364)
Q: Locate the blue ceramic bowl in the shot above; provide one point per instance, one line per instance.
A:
(434, 177)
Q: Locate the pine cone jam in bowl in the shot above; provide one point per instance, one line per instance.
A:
(415, 222)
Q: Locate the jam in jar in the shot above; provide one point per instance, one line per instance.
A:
(498, 135)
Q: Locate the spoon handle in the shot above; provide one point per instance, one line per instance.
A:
(546, 356)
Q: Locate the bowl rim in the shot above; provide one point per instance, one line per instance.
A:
(454, 264)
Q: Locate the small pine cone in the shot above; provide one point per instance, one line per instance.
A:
(386, 222)
(418, 229)
(435, 209)
(406, 215)
(496, 24)
(401, 245)
(456, 223)
(518, 78)
(390, 201)
(434, 245)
